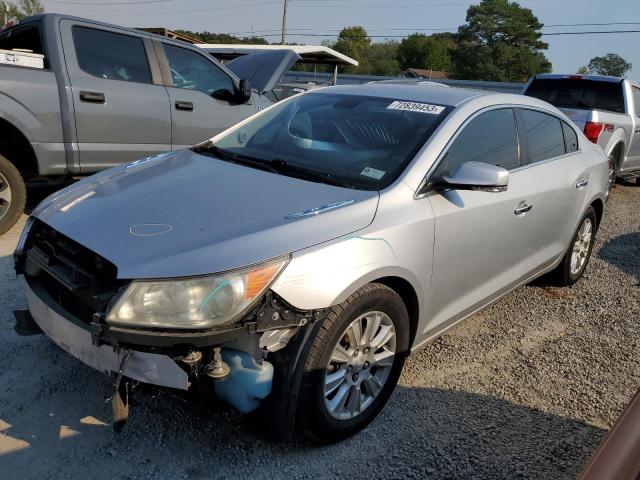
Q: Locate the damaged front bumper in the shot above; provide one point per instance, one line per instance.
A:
(142, 366)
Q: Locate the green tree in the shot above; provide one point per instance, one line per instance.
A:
(500, 41)
(11, 11)
(583, 70)
(354, 42)
(422, 51)
(610, 64)
(381, 59)
(210, 37)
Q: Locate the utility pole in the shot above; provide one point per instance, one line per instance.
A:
(284, 22)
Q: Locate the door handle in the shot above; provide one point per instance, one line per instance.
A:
(523, 208)
(92, 97)
(583, 182)
(188, 106)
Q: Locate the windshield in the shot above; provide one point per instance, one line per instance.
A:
(347, 140)
(580, 93)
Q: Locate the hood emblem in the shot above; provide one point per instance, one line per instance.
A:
(149, 229)
(318, 210)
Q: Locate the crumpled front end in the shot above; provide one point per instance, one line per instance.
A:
(70, 289)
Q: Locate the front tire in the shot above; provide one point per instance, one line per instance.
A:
(353, 364)
(13, 195)
(577, 256)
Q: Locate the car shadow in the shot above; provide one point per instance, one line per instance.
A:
(59, 421)
(623, 252)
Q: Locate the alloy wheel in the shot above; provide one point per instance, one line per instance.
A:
(581, 246)
(360, 364)
(5, 196)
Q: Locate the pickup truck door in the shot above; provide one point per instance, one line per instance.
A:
(121, 107)
(633, 153)
(200, 94)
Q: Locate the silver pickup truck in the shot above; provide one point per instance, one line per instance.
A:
(108, 95)
(606, 109)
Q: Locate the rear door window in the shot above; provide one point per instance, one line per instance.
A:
(111, 55)
(544, 132)
(570, 138)
(579, 94)
(489, 138)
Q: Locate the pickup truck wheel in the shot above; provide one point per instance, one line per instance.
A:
(353, 364)
(613, 166)
(577, 256)
(13, 195)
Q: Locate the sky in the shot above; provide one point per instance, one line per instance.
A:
(311, 21)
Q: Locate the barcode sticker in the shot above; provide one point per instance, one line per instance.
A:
(416, 107)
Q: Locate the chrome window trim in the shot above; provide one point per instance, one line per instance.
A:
(440, 156)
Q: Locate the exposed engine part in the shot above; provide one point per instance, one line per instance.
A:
(120, 398)
(274, 340)
(191, 360)
(218, 369)
(249, 382)
(276, 314)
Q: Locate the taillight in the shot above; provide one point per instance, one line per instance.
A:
(592, 131)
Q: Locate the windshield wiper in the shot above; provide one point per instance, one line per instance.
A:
(281, 166)
(274, 166)
(237, 158)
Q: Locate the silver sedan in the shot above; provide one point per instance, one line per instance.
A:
(291, 263)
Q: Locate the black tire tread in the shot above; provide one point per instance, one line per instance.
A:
(18, 193)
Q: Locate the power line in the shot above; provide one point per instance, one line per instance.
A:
(404, 36)
(108, 3)
(200, 10)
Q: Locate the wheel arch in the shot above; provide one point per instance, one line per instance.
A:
(410, 298)
(598, 206)
(16, 148)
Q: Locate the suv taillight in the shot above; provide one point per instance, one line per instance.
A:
(592, 131)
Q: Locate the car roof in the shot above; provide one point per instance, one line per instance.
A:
(452, 96)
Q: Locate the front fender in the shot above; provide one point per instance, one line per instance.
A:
(324, 276)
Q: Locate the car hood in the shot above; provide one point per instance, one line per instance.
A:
(183, 214)
(263, 68)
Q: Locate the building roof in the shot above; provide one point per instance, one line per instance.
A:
(430, 74)
(308, 53)
(165, 32)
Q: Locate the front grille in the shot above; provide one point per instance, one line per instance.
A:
(79, 280)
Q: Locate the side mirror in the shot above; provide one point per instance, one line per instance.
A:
(477, 176)
(244, 90)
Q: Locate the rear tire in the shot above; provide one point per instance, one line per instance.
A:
(13, 195)
(367, 336)
(577, 256)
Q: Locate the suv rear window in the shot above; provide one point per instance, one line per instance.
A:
(579, 94)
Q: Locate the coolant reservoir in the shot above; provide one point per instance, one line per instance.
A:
(248, 381)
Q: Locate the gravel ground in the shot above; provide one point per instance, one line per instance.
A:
(526, 389)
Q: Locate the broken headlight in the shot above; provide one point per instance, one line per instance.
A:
(193, 303)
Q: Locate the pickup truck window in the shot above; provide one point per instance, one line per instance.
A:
(25, 38)
(570, 138)
(544, 132)
(192, 71)
(581, 94)
(111, 55)
(636, 100)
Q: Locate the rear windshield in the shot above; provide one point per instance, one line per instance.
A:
(357, 141)
(579, 94)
